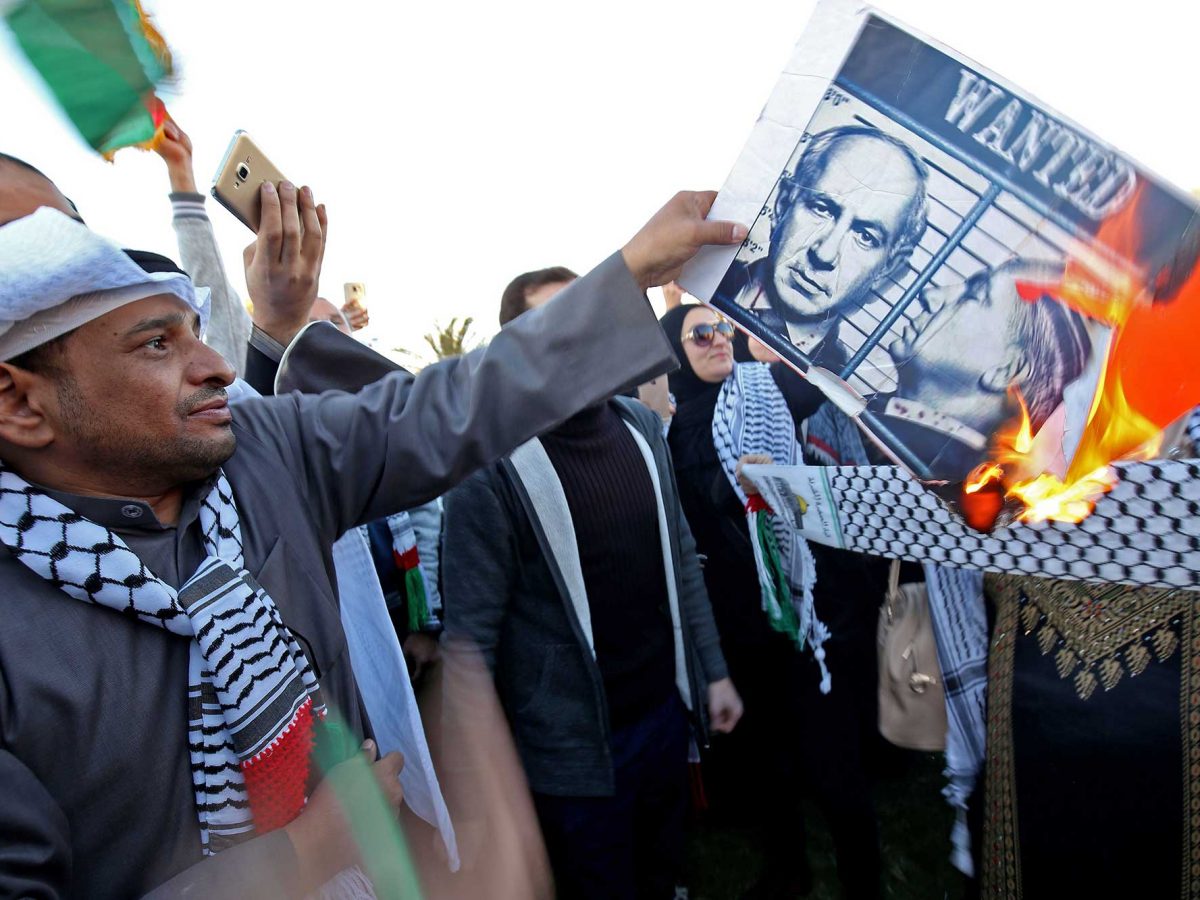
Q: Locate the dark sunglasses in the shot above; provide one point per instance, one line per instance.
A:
(702, 335)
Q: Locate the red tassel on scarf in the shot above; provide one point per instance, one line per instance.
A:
(755, 503)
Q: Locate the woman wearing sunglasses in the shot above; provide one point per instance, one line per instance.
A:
(792, 731)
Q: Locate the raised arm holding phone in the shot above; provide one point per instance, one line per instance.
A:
(229, 326)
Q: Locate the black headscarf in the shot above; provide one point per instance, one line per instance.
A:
(153, 262)
(688, 388)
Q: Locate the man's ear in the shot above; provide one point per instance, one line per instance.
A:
(998, 379)
(23, 422)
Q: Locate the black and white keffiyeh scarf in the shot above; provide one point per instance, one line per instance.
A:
(752, 417)
(252, 695)
(959, 616)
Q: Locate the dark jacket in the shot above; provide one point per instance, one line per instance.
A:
(504, 594)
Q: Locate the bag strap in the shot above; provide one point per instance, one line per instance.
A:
(894, 579)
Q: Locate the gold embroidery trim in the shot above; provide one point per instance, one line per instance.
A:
(1098, 633)
(1001, 862)
(1189, 703)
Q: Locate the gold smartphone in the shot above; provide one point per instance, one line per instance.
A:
(356, 293)
(240, 177)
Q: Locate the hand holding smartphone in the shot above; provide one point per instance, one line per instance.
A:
(240, 177)
(283, 265)
(355, 307)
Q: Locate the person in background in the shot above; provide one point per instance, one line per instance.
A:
(656, 394)
(752, 775)
(229, 330)
(356, 314)
(324, 311)
(802, 728)
(406, 550)
(571, 568)
(25, 188)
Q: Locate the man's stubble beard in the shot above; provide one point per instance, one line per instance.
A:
(133, 455)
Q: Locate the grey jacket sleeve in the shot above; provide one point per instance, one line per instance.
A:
(477, 586)
(229, 326)
(427, 525)
(404, 440)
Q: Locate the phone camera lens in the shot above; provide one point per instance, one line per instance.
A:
(243, 171)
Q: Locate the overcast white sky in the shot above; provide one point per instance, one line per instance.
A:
(458, 144)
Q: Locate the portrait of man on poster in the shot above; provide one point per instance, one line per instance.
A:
(846, 218)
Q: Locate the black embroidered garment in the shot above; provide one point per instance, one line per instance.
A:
(1093, 766)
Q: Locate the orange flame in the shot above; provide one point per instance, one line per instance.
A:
(1149, 379)
(1047, 498)
(1043, 496)
(985, 474)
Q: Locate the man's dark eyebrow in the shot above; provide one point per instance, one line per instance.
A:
(814, 194)
(170, 320)
(874, 225)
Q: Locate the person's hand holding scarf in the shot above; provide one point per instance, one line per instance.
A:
(751, 459)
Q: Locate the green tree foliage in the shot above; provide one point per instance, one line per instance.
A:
(450, 340)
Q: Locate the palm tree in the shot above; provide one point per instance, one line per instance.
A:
(450, 340)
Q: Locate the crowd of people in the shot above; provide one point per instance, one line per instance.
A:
(193, 690)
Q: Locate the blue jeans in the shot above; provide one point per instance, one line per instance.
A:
(628, 846)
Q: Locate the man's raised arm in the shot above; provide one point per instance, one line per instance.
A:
(405, 440)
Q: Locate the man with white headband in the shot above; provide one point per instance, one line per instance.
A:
(171, 648)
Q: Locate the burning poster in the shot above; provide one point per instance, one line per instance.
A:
(955, 265)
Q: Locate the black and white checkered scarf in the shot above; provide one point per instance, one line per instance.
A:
(251, 690)
(752, 417)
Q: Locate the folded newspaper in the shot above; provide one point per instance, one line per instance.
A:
(941, 253)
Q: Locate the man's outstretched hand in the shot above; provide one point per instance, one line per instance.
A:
(283, 265)
(674, 235)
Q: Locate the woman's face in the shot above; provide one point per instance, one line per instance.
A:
(711, 362)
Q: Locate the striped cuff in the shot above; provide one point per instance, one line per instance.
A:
(266, 344)
(186, 205)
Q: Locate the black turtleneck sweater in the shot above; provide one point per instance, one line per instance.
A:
(611, 500)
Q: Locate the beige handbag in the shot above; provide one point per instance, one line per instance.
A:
(912, 701)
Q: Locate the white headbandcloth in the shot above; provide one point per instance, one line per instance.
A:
(56, 274)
